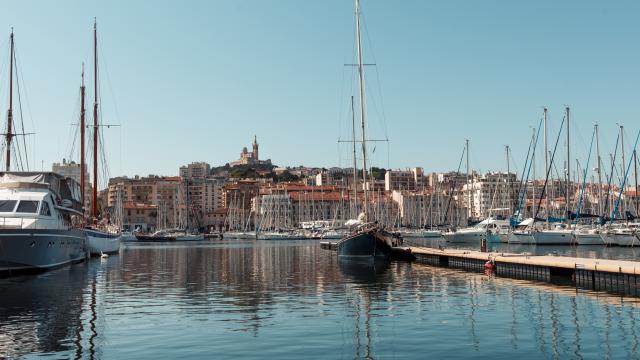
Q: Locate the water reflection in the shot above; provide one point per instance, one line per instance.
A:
(292, 299)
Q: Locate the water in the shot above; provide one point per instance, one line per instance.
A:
(292, 300)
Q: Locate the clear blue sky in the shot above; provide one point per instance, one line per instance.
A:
(195, 80)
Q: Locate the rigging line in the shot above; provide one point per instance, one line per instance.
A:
(526, 164)
(613, 168)
(548, 171)
(18, 152)
(20, 80)
(381, 112)
(624, 180)
(584, 179)
(105, 69)
(454, 183)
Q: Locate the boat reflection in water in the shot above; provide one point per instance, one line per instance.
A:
(41, 314)
(248, 299)
(362, 278)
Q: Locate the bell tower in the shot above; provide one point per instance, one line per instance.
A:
(255, 148)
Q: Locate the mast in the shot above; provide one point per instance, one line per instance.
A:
(533, 165)
(635, 170)
(622, 164)
(9, 134)
(355, 165)
(546, 162)
(599, 166)
(509, 192)
(362, 109)
(568, 176)
(83, 164)
(94, 200)
(468, 184)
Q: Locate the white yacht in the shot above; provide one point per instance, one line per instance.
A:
(421, 233)
(588, 236)
(37, 216)
(523, 233)
(279, 235)
(240, 234)
(492, 230)
(620, 236)
(559, 235)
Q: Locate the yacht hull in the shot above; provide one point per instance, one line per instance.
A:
(553, 238)
(613, 239)
(364, 245)
(522, 238)
(589, 239)
(26, 250)
(190, 238)
(466, 237)
(99, 242)
(239, 235)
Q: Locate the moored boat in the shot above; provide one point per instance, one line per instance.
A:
(558, 236)
(620, 236)
(588, 236)
(38, 214)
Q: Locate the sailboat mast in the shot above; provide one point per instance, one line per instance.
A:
(362, 109)
(83, 164)
(533, 165)
(468, 184)
(546, 160)
(599, 167)
(568, 177)
(355, 165)
(9, 135)
(623, 163)
(635, 170)
(94, 200)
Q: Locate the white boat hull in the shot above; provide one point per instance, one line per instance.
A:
(277, 236)
(190, 237)
(99, 242)
(428, 234)
(522, 238)
(239, 235)
(554, 238)
(614, 239)
(589, 239)
(466, 237)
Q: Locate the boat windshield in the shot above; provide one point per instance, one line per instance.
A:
(28, 206)
(7, 205)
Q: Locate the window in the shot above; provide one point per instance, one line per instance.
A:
(7, 205)
(44, 210)
(27, 206)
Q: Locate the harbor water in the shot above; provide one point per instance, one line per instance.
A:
(291, 300)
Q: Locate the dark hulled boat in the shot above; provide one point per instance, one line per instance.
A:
(370, 241)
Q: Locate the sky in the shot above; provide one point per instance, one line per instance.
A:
(196, 80)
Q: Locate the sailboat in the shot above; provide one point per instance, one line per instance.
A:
(561, 234)
(102, 236)
(38, 212)
(368, 240)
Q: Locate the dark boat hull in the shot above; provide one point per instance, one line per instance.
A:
(365, 244)
(33, 250)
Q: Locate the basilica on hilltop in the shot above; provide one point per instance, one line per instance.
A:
(250, 157)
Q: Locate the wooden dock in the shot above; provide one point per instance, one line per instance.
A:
(617, 276)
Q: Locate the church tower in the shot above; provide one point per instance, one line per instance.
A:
(255, 148)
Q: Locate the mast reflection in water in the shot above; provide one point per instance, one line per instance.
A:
(290, 299)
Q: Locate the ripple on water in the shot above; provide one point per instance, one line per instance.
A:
(289, 300)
